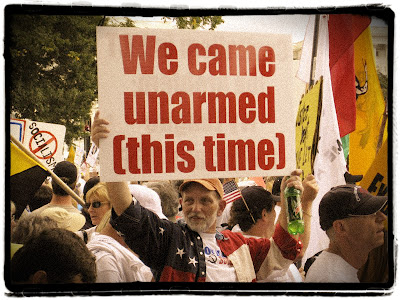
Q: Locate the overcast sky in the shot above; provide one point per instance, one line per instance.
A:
(284, 24)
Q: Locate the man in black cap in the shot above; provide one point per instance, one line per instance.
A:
(353, 220)
(68, 173)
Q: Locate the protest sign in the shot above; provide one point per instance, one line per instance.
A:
(307, 129)
(17, 129)
(195, 104)
(44, 140)
(79, 156)
(92, 155)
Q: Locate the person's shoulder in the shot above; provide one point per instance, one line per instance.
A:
(40, 209)
(327, 267)
(228, 234)
(71, 209)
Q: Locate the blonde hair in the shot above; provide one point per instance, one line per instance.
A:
(104, 221)
(99, 191)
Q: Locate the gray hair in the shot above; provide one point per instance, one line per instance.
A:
(30, 227)
(169, 197)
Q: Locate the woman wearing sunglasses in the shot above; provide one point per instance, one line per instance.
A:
(97, 203)
(115, 262)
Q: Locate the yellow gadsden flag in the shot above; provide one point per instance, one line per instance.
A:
(375, 180)
(370, 106)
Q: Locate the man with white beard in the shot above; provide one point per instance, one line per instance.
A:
(194, 251)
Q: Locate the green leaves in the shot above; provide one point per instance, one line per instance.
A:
(53, 69)
(195, 22)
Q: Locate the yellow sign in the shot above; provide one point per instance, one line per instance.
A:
(375, 180)
(307, 128)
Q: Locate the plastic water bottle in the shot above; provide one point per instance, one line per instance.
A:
(293, 211)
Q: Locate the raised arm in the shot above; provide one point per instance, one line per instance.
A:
(311, 189)
(295, 181)
(119, 193)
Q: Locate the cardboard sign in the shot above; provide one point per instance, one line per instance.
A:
(44, 140)
(307, 129)
(195, 104)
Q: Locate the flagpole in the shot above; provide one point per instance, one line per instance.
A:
(314, 50)
(248, 209)
(53, 175)
(382, 129)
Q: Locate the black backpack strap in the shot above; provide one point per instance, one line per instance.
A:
(85, 236)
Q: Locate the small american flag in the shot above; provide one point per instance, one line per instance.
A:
(231, 192)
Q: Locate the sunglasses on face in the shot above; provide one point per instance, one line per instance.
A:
(95, 204)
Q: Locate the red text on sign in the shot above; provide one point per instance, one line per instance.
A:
(150, 153)
(234, 155)
(235, 60)
(223, 63)
(220, 107)
(131, 56)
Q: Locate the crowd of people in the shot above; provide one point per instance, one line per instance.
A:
(184, 231)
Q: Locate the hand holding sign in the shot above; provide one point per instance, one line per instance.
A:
(99, 129)
(120, 196)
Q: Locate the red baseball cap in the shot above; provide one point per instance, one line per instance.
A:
(212, 184)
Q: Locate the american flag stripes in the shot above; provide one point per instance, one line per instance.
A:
(231, 192)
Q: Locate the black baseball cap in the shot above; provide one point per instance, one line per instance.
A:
(345, 201)
(257, 196)
(67, 171)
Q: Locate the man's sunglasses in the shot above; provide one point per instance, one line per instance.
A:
(95, 204)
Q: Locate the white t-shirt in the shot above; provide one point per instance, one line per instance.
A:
(291, 274)
(218, 267)
(330, 267)
(115, 263)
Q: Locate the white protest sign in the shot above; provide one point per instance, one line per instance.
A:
(92, 155)
(44, 140)
(195, 104)
(17, 129)
(79, 156)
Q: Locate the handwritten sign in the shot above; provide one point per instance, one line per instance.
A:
(307, 129)
(195, 104)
